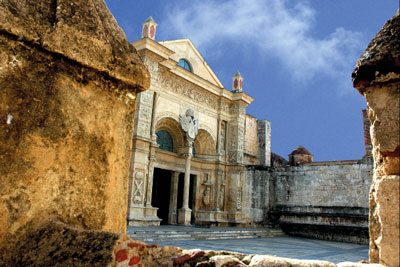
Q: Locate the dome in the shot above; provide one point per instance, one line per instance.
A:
(300, 151)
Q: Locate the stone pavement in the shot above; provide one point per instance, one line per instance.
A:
(179, 232)
(283, 246)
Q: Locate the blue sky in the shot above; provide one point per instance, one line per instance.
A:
(296, 58)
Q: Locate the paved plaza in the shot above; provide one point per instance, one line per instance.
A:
(292, 247)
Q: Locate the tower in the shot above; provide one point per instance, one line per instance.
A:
(149, 28)
(237, 83)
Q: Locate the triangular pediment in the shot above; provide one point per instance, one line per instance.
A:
(185, 49)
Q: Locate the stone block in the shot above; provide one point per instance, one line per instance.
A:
(68, 81)
(53, 243)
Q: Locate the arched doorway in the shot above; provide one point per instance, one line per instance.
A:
(161, 193)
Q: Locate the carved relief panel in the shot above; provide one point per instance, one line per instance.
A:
(222, 137)
(152, 66)
(239, 199)
(137, 188)
(144, 114)
(207, 191)
(236, 143)
(175, 85)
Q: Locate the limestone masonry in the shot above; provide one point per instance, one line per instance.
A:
(377, 77)
(97, 134)
(66, 113)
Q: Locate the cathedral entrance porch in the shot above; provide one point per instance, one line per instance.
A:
(168, 196)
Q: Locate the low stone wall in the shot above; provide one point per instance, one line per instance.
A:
(325, 200)
(348, 224)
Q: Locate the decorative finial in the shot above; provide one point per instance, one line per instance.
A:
(237, 83)
(149, 28)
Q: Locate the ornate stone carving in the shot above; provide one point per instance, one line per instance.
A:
(166, 114)
(143, 129)
(221, 200)
(209, 129)
(189, 124)
(207, 192)
(222, 137)
(232, 156)
(239, 199)
(137, 195)
(144, 114)
(172, 84)
(225, 107)
(152, 66)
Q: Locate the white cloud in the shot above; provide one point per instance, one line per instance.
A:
(273, 27)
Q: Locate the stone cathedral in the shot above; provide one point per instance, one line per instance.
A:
(199, 159)
(193, 140)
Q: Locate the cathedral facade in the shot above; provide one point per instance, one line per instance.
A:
(199, 159)
(192, 140)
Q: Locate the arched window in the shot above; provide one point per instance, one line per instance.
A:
(185, 64)
(164, 140)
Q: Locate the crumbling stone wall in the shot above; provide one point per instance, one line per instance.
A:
(68, 81)
(377, 77)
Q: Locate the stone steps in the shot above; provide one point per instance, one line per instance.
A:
(201, 234)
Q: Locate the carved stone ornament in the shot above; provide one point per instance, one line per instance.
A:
(189, 124)
(137, 195)
(239, 199)
(207, 191)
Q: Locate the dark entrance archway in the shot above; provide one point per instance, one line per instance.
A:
(161, 193)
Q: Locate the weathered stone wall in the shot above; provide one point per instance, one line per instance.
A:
(260, 189)
(326, 200)
(331, 184)
(68, 82)
(250, 137)
(377, 76)
(384, 113)
(264, 142)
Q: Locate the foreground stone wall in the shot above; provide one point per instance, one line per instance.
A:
(68, 83)
(377, 76)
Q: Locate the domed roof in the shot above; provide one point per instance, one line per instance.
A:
(300, 151)
(381, 57)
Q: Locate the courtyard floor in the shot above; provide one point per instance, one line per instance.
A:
(291, 247)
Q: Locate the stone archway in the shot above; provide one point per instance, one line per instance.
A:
(171, 126)
(204, 145)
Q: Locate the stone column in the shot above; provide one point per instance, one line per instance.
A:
(149, 190)
(185, 212)
(173, 200)
(218, 182)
